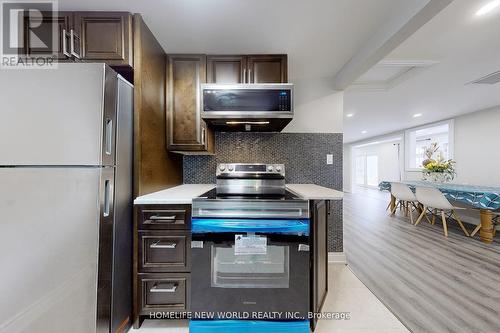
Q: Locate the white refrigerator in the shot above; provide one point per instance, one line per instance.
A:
(65, 200)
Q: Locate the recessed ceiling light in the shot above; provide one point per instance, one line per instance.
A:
(364, 132)
(488, 7)
(416, 115)
(349, 115)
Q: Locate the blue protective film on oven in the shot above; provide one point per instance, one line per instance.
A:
(248, 326)
(286, 227)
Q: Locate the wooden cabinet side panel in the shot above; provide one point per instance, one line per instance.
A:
(154, 168)
(319, 256)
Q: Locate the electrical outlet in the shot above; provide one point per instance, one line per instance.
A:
(329, 158)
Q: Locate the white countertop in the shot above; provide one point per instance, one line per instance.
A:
(181, 195)
(315, 192)
(184, 194)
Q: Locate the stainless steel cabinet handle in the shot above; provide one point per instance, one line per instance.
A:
(72, 37)
(244, 76)
(109, 136)
(157, 289)
(249, 76)
(162, 218)
(203, 135)
(65, 44)
(158, 245)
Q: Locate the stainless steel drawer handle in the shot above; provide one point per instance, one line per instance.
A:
(162, 218)
(158, 245)
(156, 289)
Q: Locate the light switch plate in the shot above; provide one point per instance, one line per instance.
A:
(329, 158)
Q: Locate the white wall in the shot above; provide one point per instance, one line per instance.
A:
(347, 174)
(477, 136)
(477, 152)
(318, 109)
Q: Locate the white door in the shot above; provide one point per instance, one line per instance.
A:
(372, 170)
(48, 249)
(366, 170)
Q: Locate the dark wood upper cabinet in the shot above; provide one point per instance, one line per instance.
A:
(264, 68)
(267, 68)
(83, 36)
(64, 23)
(226, 69)
(105, 36)
(187, 132)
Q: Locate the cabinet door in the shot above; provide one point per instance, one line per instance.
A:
(319, 268)
(226, 69)
(63, 22)
(105, 36)
(267, 68)
(187, 132)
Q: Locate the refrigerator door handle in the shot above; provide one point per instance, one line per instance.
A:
(109, 137)
(107, 197)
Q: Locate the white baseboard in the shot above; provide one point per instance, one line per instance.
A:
(337, 258)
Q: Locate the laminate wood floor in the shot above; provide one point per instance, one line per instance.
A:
(429, 282)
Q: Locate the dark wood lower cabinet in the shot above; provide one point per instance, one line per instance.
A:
(319, 255)
(163, 293)
(162, 260)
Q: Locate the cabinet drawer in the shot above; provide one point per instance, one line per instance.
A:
(164, 292)
(164, 251)
(165, 217)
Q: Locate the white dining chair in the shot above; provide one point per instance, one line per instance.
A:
(432, 198)
(405, 199)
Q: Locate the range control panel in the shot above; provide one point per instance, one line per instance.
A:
(250, 168)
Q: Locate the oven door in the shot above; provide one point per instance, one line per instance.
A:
(248, 266)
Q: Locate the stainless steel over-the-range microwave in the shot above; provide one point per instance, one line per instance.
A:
(255, 107)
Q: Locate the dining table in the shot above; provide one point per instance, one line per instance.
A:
(483, 198)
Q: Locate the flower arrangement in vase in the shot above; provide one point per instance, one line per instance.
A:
(437, 170)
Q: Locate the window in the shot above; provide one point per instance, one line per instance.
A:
(418, 140)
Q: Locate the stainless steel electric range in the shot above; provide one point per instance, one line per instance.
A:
(250, 245)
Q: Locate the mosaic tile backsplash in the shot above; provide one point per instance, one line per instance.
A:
(304, 156)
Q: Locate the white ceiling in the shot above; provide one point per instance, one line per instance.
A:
(466, 48)
(319, 36)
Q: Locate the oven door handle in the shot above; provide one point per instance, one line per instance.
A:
(279, 226)
(251, 213)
